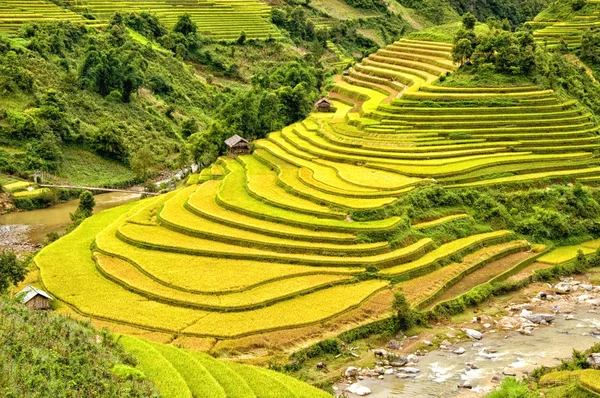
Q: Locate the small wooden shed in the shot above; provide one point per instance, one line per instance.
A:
(237, 145)
(324, 105)
(34, 299)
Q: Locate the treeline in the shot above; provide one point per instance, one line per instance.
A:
(502, 51)
(516, 11)
(119, 95)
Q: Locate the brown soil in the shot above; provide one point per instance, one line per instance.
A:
(482, 276)
(527, 271)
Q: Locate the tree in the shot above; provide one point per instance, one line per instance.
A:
(84, 210)
(189, 127)
(143, 162)
(12, 271)
(589, 47)
(108, 142)
(405, 316)
(185, 25)
(242, 38)
(462, 51)
(183, 158)
(86, 203)
(578, 5)
(469, 21)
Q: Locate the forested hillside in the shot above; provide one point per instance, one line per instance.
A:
(87, 86)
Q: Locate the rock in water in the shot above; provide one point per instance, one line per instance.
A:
(412, 358)
(474, 334)
(459, 351)
(540, 318)
(358, 389)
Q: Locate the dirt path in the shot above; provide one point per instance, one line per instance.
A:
(482, 276)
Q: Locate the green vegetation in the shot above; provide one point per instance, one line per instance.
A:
(46, 364)
(573, 378)
(445, 157)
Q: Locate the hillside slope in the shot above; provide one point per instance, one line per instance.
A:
(42, 354)
(331, 211)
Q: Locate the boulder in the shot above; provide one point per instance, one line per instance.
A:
(410, 370)
(459, 351)
(399, 361)
(474, 334)
(380, 353)
(351, 371)
(358, 389)
(594, 361)
(394, 345)
(539, 318)
(508, 322)
(497, 378)
(466, 384)
(586, 286)
(412, 358)
(509, 372)
(562, 287)
(427, 343)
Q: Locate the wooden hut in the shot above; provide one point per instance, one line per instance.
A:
(34, 299)
(237, 145)
(324, 105)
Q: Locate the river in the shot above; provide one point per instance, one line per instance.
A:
(31, 227)
(442, 371)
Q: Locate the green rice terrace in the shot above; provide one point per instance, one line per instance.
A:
(552, 28)
(271, 250)
(219, 19)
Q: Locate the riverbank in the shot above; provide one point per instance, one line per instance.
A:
(469, 355)
(24, 232)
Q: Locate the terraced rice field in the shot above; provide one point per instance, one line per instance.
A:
(218, 19)
(266, 244)
(553, 33)
(179, 373)
(14, 13)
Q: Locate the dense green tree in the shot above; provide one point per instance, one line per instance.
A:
(44, 153)
(185, 25)
(469, 21)
(590, 47)
(86, 203)
(108, 142)
(12, 270)
(188, 127)
(143, 162)
(462, 51)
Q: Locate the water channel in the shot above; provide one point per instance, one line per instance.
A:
(442, 371)
(36, 224)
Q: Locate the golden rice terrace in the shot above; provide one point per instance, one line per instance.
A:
(265, 245)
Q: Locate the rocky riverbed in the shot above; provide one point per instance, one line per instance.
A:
(15, 238)
(473, 358)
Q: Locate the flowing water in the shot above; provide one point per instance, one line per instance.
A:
(442, 371)
(34, 225)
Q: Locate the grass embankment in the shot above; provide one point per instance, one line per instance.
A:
(43, 354)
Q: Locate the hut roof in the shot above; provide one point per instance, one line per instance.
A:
(233, 141)
(30, 292)
(324, 101)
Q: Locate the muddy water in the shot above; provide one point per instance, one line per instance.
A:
(38, 223)
(442, 371)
